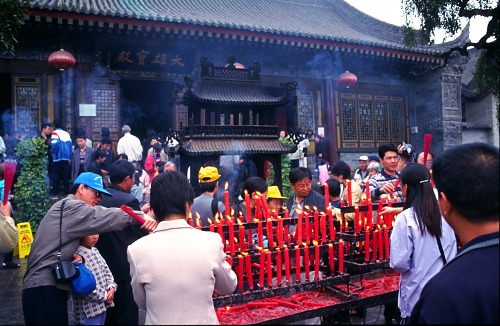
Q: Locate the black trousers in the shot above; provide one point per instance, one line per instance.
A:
(45, 305)
(61, 171)
(125, 311)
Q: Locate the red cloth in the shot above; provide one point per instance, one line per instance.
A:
(149, 165)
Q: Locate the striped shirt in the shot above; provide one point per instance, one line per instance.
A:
(94, 303)
(379, 180)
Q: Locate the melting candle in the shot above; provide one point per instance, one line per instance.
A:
(341, 256)
(269, 269)
(287, 264)
(226, 200)
(349, 192)
(248, 264)
(331, 260)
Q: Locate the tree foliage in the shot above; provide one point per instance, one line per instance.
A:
(11, 20)
(446, 14)
(31, 190)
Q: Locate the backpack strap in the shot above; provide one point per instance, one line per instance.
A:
(215, 206)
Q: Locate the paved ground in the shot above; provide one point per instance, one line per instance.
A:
(11, 308)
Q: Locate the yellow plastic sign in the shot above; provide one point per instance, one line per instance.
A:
(25, 239)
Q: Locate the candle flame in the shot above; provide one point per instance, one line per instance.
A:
(239, 221)
(315, 242)
(315, 208)
(209, 221)
(228, 308)
(197, 215)
(330, 245)
(226, 186)
(232, 211)
(235, 240)
(198, 221)
(306, 207)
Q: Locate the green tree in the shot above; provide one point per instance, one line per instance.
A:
(446, 14)
(11, 20)
(31, 190)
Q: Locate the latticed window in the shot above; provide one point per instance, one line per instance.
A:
(367, 121)
(27, 104)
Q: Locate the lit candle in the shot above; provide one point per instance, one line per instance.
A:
(299, 228)
(241, 231)
(286, 234)
(247, 207)
(262, 262)
(367, 244)
(212, 226)
(264, 206)
(278, 266)
(341, 256)
(198, 222)
(374, 244)
(279, 233)
(248, 264)
(380, 245)
(306, 262)
(323, 228)
(269, 269)
(260, 234)
(332, 227)
(221, 233)
(367, 190)
(297, 264)
(370, 213)
(226, 200)
(349, 192)
(316, 225)
(380, 206)
(286, 212)
(240, 272)
(357, 224)
(386, 238)
(307, 229)
(316, 262)
(327, 196)
(287, 264)
(269, 229)
(331, 260)
(257, 208)
(190, 222)
(230, 225)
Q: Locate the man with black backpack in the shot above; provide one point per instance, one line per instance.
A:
(206, 205)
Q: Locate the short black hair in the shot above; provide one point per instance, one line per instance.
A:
(122, 156)
(254, 184)
(387, 147)
(465, 173)
(165, 202)
(333, 187)
(106, 140)
(45, 125)
(208, 186)
(119, 170)
(298, 174)
(341, 168)
(98, 153)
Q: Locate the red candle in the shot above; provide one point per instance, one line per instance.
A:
(327, 196)
(221, 233)
(287, 264)
(269, 269)
(279, 232)
(240, 272)
(316, 225)
(341, 256)
(323, 228)
(380, 245)
(241, 231)
(260, 234)
(249, 272)
(330, 222)
(278, 266)
(316, 262)
(370, 213)
(386, 238)
(264, 207)
(297, 264)
(342, 204)
(255, 304)
(262, 262)
(349, 192)
(367, 190)
(211, 225)
(306, 262)
(250, 238)
(307, 229)
(198, 222)
(230, 225)
(229, 260)
(190, 222)
(247, 207)
(286, 212)
(286, 234)
(375, 244)
(357, 225)
(330, 258)
(257, 209)
(380, 206)
(367, 244)
(226, 200)
(269, 230)
(299, 228)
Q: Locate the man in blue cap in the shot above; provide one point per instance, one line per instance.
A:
(66, 222)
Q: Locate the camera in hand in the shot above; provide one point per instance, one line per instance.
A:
(407, 150)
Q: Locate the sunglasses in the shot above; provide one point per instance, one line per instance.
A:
(97, 193)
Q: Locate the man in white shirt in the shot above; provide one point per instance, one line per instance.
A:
(130, 145)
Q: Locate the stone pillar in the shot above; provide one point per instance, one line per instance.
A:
(451, 104)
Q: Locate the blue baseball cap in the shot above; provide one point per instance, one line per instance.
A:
(93, 181)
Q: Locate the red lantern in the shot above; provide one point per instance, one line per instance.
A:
(61, 60)
(347, 79)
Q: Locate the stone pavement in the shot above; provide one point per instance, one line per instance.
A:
(11, 312)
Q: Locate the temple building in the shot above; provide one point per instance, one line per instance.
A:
(141, 63)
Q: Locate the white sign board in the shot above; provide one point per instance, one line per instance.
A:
(88, 110)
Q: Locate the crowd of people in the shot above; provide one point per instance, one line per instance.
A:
(444, 242)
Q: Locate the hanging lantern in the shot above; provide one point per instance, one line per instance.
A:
(347, 79)
(61, 60)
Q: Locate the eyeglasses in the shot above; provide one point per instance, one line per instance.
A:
(97, 193)
(304, 185)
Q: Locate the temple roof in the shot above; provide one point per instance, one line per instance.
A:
(235, 146)
(317, 21)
